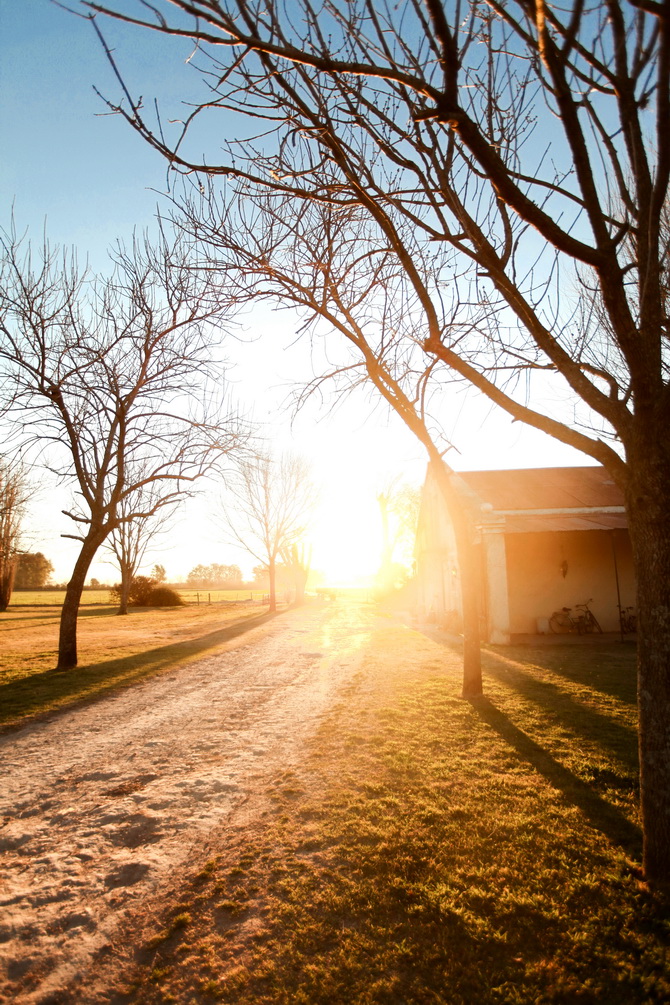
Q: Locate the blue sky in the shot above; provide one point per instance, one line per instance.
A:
(64, 159)
(93, 180)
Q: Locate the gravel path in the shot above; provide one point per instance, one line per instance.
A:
(99, 805)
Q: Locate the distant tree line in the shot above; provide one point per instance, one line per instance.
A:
(13, 498)
(33, 571)
(215, 577)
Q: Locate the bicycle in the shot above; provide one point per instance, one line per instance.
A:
(584, 622)
(628, 620)
(589, 620)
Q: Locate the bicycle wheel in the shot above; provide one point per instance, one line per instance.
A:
(591, 622)
(560, 622)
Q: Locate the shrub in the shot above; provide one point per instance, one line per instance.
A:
(140, 591)
(164, 596)
(138, 595)
(145, 592)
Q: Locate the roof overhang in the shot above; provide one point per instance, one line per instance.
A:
(537, 522)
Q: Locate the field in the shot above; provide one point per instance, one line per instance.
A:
(55, 598)
(113, 651)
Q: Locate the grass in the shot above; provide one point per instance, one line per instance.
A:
(435, 850)
(113, 651)
(55, 598)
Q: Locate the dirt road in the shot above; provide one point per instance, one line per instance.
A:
(100, 805)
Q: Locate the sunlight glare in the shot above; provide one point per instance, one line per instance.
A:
(346, 537)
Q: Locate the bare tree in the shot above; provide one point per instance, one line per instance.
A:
(321, 262)
(297, 560)
(13, 499)
(158, 573)
(399, 511)
(129, 540)
(270, 506)
(492, 152)
(383, 500)
(112, 379)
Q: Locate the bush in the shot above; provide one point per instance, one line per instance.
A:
(164, 596)
(138, 595)
(140, 591)
(145, 592)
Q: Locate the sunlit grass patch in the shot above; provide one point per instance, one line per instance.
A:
(55, 597)
(113, 651)
(446, 851)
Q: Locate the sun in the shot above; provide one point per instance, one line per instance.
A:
(347, 537)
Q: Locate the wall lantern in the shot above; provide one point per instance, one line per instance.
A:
(564, 568)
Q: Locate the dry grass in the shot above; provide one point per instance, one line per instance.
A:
(433, 850)
(113, 651)
(55, 598)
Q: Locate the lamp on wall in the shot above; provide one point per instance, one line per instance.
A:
(564, 568)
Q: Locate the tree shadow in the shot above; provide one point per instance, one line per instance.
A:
(41, 693)
(611, 666)
(600, 813)
(576, 715)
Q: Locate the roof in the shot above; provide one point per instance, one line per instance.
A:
(562, 489)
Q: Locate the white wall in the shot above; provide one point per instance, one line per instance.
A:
(537, 586)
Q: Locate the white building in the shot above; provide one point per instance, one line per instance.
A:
(547, 538)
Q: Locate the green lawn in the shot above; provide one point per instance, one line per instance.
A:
(434, 850)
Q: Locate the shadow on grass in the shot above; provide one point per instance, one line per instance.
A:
(602, 815)
(611, 667)
(576, 716)
(573, 713)
(36, 694)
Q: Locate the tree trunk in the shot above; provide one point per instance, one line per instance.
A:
(385, 575)
(470, 591)
(124, 592)
(67, 641)
(469, 570)
(300, 579)
(7, 584)
(272, 572)
(649, 527)
(300, 561)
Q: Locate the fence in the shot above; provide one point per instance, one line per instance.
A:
(219, 596)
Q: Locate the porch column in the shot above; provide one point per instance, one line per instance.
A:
(495, 571)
